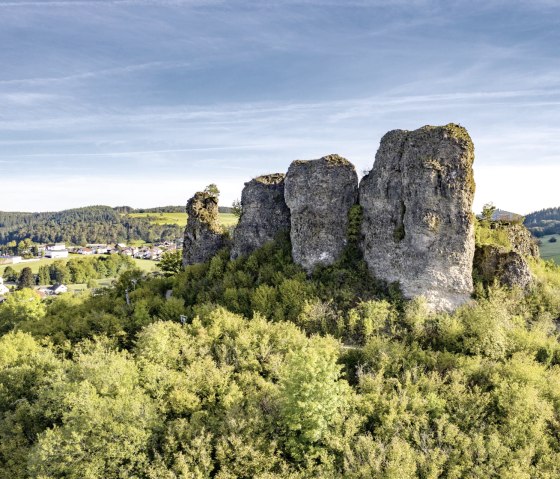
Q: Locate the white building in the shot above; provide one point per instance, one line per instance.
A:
(3, 289)
(10, 259)
(58, 289)
(56, 253)
(56, 247)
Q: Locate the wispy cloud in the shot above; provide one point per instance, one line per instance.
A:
(120, 70)
(101, 3)
(143, 152)
(202, 89)
(28, 98)
(333, 110)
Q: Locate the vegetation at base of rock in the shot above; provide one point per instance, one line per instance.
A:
(488, 233)
(256, 383)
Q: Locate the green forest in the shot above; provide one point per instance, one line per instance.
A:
(544, 222)
(251, 369)
(91, 224)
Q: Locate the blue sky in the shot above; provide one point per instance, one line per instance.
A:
(143, 102)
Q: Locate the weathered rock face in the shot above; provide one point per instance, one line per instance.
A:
(319, 194)
(264, 214)
(522, 241)
(509, 268)
(418, 227)
(203, 234)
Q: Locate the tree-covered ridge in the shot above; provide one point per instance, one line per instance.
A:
(92, 224)
(163, 209)
(544, 222)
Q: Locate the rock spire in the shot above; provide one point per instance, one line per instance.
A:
(418, 226)
(319, 194)
(203, 233)
(264, 215)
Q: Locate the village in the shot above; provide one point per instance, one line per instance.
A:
(48, 254)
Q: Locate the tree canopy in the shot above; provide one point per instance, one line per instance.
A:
(252, 369)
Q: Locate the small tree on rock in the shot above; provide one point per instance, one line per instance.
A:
(212, 190)
(236, 208)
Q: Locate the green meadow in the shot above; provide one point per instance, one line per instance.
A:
(226, 219)
(145, 265)
(550, 250)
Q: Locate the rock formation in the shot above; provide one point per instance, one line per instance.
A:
(418, 226)
(203, 234)
(264, 214)
(495, 263)
(506, 265)
(319, 194)
(522, 241)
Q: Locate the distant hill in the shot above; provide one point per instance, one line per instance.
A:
(91, 224)
(502, 215)
(544, 222)
(164, 209)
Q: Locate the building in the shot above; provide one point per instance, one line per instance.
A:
(56, 253)
(58, 289)
(56, 250)
(10, 260)
(56, 247)
(3, 289)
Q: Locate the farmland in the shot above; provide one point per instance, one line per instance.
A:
(550, 250)
(143, 264)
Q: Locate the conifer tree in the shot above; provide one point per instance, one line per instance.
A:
(26, 278)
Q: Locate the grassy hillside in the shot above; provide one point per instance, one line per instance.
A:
(550, 250)
(226, 219)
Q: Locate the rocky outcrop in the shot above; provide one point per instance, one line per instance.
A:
(522, 241)
(418, 226)
(203, 234)
(319, 194)
(264, 215)
(495, 263)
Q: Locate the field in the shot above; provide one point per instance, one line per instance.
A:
(550, 250)
(143, 264)
(146, 265)
(34, 265)
(226, 219)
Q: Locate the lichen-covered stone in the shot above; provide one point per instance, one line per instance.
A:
(319, 194)
(495, 263)
(522, 241)
(203, 233)
(418, 226)
(264, 215)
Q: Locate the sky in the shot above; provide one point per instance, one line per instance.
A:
(144, 102)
